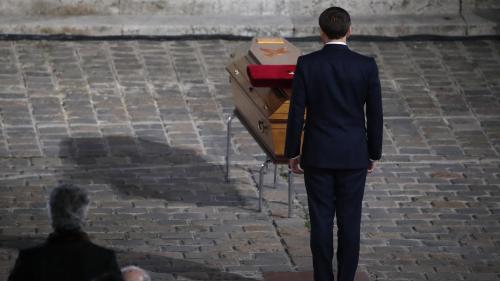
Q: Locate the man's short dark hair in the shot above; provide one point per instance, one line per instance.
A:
(335, 22)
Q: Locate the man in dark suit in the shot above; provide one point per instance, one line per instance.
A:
(340, 146)
(68, 254)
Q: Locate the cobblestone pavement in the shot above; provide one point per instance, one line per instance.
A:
(141, 124)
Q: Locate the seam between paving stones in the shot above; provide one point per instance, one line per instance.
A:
(213, 95)
(266, 209)
(89, 93)
(151, 89)
(380, 61)
(282, 240)
(2, 127)
(420, 74)
(477, 117)
(30, 107)
(77, 57)
(232, 148)
(496, 56)
(183, 93)
(209, 83)
(164, 47)
(211, 90)
(109, 58)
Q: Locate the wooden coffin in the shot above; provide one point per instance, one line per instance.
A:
(263, 111)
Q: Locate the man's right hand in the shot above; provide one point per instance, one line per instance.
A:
(371, 166)
(294, 165)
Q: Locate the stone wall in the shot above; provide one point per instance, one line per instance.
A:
(234, 7)
(289, 18)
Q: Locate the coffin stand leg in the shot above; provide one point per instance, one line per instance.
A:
(290, 193)
(228, 144)
(275, 174)
(262, 171)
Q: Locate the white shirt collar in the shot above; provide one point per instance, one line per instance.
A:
(335, 43)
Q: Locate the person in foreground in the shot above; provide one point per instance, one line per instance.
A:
(67, 254)
(339, 146)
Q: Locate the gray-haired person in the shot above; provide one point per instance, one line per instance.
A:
(67, 254)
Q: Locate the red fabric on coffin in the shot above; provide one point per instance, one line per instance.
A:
(272, 76)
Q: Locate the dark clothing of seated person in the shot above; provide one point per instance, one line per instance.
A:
(67, 254)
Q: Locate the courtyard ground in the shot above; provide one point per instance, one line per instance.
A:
(141, 125)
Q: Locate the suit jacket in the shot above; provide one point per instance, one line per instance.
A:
(335, 85)
(66, 256)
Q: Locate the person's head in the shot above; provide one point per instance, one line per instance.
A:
(134, 273)
(68, 207)
(335, 23)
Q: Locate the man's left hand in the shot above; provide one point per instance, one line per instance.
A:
(294, 165)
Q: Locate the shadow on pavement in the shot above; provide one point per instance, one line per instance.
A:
(177, 267)
(155, 264)
(140, 168)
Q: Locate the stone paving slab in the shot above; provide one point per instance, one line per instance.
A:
(141, 125)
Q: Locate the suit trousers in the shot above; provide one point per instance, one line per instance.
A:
(335, 192)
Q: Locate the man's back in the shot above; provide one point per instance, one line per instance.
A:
(69, 256)
(336, 83)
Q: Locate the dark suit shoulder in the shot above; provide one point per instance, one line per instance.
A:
(348, 54)
(361, 58)
(26, 263)
(310, 56)
(78, 256)
(33, 251)
(84, 245)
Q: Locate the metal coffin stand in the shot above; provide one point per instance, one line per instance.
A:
(262, 110)
(263, 167)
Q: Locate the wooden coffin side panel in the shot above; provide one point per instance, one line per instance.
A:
(278, 122)
(279, 135)
(263, 111)
(281, 114)
(258, 124)
(269, 132)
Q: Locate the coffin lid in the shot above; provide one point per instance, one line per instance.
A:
(273, 51)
